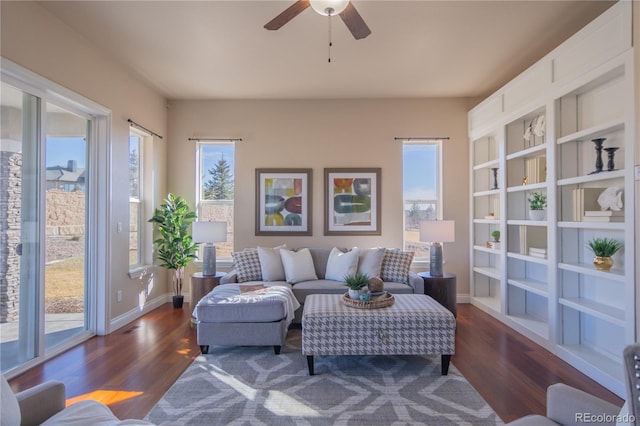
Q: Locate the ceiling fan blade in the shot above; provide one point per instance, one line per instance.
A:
(289, 13)
(354, 22)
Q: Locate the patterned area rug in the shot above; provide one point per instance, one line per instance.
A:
(251, 385)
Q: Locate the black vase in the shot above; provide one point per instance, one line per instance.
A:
(178, 301)
(598, 142)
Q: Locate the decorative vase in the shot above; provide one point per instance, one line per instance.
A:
(494, 170)
(610, 153)
(536, 214)
(178, 301)
(376, 285)
(598, 142)
(602, 263)
(354, 294)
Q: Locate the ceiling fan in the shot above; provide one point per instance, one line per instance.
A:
(344, 8)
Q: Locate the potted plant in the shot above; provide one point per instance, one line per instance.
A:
(537, 204)
(175, 247)
(604, 248)
(496, 236)
(356, 282)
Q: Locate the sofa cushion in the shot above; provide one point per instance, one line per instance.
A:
(398, 288)
(247, 265)
(271, 263)
(370, 262)
(304, 289)
(341, 264)
(320, 258)
(298, 266)
(396, 265)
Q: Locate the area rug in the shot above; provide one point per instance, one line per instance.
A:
(252, 385)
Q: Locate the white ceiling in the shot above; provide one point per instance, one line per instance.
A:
(220, 50)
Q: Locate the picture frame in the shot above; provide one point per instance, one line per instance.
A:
(352, 201)
(283, 202)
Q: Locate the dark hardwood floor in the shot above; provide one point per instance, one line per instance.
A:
(132, 368)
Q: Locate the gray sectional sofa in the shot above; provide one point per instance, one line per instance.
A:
(413, 284)
(230, 316)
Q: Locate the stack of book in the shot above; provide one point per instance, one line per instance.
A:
(532, 236)
(585, 199)
(538, 252)
(603, 216)
(536, 169)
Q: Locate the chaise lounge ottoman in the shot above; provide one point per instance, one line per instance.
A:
(414, 325)
(226, 316)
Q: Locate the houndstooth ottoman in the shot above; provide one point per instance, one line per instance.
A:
(414, 325)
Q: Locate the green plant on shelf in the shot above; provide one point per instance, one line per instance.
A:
(604, 247)
(537, 201)
(496, 235)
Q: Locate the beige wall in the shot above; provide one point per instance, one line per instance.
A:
(36, 40)
(328, 133)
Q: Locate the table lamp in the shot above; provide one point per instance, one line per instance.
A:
(437, 232)
(209, 233)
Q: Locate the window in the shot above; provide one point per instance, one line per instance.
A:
(421, 187)
(215, 188)
(136, 198)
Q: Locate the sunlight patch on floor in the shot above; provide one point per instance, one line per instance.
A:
(283, 405)
(106, 397)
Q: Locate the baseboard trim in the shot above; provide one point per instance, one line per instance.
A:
(126, 318)
(463, 298)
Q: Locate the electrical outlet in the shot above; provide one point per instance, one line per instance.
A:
(119, 227)
(637, 170)
(119, 296)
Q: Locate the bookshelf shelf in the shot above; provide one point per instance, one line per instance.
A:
(595, 309)
(529, 152)
(593, 132)
(487, 164)
(588, 269)
(529, 187)
(599, 177)
(537, 287)
(526, 258)
(539, 138)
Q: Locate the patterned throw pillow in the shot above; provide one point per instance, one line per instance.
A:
(396, 265)
(247, 265)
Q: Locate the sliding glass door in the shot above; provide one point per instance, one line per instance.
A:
(44, 193)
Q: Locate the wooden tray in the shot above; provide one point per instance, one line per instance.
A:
(382, 301)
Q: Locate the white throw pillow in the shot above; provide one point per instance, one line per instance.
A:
(341, 264)
(271, 263)
(298, 266)
(371, 261)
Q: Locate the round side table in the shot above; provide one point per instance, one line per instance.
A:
(442, 289)
(201, 285)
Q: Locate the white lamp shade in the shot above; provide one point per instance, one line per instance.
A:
(321, 6)
(442, 231)
(209, 232)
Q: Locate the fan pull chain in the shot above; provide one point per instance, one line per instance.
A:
(330, 42)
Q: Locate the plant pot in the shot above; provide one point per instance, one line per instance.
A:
(354, 294)
(536, 214)
(602, 263)
(178, 301)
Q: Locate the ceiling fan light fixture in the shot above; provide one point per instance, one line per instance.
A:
(329, 7)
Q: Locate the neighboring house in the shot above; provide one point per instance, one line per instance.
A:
(69, 178)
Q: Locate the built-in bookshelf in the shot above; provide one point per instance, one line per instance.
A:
(565, 129)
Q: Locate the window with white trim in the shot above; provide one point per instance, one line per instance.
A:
(422, 190)
(215, 188)
(136, 197)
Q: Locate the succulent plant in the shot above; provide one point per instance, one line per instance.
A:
(604, 247)
(356, 281)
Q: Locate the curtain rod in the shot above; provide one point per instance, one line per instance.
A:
(134, 124)
(216, 139)
(414, 138)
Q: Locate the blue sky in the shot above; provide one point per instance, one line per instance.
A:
(419, 177)
(211, 154)
(60, 150)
